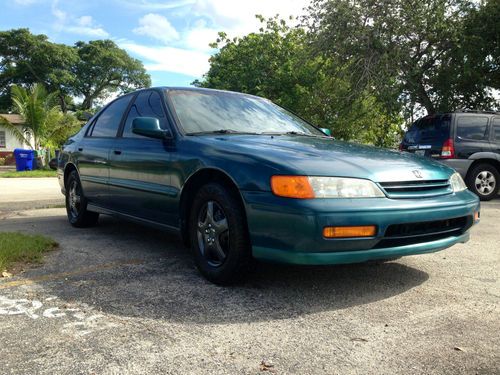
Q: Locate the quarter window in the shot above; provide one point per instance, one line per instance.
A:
(2, 140)
(109, 120)
(472, 127)
(496, 129)
(146, 104)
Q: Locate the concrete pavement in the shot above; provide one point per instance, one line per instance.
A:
(24, 193)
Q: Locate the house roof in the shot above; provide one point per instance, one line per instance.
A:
(13, 118)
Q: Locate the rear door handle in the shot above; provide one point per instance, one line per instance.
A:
(117, 152)
(80, 149)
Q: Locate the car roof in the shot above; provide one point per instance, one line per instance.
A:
(200, 89)
(459, 111)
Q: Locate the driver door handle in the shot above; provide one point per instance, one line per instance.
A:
(117, 152)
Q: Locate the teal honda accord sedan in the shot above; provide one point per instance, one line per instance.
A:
(240, 178)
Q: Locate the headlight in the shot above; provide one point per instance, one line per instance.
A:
(457, 183)
(307, 187)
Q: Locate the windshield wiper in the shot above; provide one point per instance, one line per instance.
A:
(219, 131)
(290, 133)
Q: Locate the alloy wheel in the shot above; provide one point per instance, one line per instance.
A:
(485, 182)
(213, 233)
(74, 198)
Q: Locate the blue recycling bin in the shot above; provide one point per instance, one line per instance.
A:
(24, 159)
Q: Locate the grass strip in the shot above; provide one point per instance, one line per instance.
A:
(35, 173)
(26, 248)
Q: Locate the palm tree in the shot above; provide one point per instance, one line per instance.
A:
(38, 109)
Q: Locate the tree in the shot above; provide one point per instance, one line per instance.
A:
(400, 51)
(103, 69)
(278, 63)
(476, 63)
(92, 70)
(43, 118)
(26, 59)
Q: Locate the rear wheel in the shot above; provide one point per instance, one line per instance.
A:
(483, 180)
(76, 204)
(219, 235)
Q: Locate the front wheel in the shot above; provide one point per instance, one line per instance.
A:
(483, 181)
(76, 204)
(219, 235)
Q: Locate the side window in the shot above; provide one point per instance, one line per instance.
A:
(472, 127)
(146, 104)
(2, 140)
(108, 121)
(496, 129)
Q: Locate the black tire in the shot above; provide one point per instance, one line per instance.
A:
(483, 180)
(76, 204)
(221, 252)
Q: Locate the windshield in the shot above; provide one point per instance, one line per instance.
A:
(205, 112)
(434, 129)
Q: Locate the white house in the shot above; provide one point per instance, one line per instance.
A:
(8, 142)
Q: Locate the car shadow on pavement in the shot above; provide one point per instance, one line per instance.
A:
(151, 275)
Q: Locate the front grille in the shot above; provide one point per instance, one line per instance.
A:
(425, 231)
(416, 189)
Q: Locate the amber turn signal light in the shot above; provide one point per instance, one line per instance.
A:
(477, 216)
(348, 232)
(292, 187)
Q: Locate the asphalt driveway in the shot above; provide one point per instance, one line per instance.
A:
(122, 298)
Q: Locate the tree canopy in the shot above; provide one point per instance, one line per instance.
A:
(436, 54)
(102, 68)
(92, 70)
(26, 59)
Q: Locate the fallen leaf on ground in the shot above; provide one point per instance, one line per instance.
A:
(266, 366)
(6, 274)
(459, 349)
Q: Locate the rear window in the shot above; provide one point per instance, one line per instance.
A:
(472, 127)
(435, 129)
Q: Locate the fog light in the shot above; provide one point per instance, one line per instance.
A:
(349, 232)
(477, 216)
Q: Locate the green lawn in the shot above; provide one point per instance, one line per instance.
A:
(18, 247)
(35, 173)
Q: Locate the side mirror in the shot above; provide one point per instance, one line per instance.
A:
(326, 131)
(149, 127)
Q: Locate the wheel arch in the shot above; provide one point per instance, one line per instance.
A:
(490, 161)
(68, 168)
(193, 184)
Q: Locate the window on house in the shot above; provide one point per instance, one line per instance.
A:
(3, 143)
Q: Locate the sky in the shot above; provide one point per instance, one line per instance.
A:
(170, 37)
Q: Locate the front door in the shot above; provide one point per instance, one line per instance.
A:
(139, 167)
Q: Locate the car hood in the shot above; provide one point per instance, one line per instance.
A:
(318, 156)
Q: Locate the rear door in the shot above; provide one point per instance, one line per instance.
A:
(495, 140)
(472, 135)
(139, 166)
(93, 151)
(427, 135)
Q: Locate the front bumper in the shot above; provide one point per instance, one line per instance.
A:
(290, 230)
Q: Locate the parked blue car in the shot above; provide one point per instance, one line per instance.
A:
(240, 178)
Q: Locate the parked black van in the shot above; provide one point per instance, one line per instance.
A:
(468, 141)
